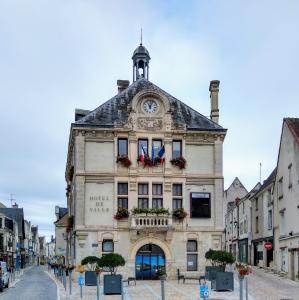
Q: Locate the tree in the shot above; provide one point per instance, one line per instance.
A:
(90, 262)
(111, 262)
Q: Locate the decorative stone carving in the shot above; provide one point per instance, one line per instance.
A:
(150, 124)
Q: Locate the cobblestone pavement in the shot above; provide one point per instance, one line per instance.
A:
(262, 286)
(34, 284)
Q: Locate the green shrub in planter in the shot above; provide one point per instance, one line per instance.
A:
(91, 263)
(112, 282)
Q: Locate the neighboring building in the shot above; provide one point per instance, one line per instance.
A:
(262, 223)
(286, 200)
(8, 239)
(34, 246)
(142, 121)
(50, 248)
(61, 235)
(27, 242)
(17, 214)
(231, 195)
(42, 250)
(238, 226)
(234, 191)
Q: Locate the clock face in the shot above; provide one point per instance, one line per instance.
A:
(150, 106)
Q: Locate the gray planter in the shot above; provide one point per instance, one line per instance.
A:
(112, 284)
(223, 281)
(90, 278)
(211, 271)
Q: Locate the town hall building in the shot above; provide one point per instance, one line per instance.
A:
(145, 179)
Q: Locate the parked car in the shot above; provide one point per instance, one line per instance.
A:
(4, 276)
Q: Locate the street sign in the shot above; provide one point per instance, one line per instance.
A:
(268, 245)
(81, 280)
(204, 291)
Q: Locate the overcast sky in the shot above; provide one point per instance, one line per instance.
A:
(56, 56)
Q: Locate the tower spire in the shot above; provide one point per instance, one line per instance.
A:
(141, 37)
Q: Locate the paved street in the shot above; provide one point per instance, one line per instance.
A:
(35, 284)
(262, 286)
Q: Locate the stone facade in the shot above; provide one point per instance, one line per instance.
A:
(286, 203)
(94, 179)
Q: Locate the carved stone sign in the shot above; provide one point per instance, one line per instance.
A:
(99, 204)
(150, 124)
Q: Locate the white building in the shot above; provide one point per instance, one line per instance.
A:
(105, 172)
(286, 200)
(262, 223)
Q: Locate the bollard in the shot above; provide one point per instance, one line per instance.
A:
(64, 278)
(98, 287)
(246, 283)
(241, 279)
(162, 287)
(70, 279)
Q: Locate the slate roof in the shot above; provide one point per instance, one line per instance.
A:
(18, 215)
(266, 182)
(293, 124)
(115, 110)
(62, 211)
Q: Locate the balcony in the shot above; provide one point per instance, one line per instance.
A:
(150, 221)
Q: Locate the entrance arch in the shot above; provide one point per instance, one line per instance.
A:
(149, 261)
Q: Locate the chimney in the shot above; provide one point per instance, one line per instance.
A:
(122, 85)
(214, 90)
(15, 205)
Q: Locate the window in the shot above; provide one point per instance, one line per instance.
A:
(191, 255)
(142, 143)
(241, 228)
(280, 188)
(142, 202)
(122, 191)
(192, 246)
(142, 189)
(157, 191)
(176, 149)
(243, 208)
(245, 226)
(142, 192)
(256, 224)
(157, 145)
(256, 203)
(269, 197)
(290, 175)
(200, 205)
(270, 219)
(122, 188)
(107, 246)
(177, 193)
(122, 146)
(0, 222)
(157, 203)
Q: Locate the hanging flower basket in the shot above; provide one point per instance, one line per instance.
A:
(243, 269)
(124, 160)
(122, 213)
(149, 162)
(179, 162)
(179, 214)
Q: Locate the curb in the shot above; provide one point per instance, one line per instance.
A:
(61, 294)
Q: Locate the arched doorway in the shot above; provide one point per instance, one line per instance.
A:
(150, 259)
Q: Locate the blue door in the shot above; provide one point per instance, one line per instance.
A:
(149, 260)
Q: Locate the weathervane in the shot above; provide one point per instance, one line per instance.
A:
(141, 37)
